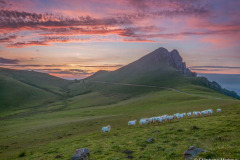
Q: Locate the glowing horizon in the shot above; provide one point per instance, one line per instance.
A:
(73, 39)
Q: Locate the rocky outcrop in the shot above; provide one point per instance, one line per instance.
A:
(177, 62)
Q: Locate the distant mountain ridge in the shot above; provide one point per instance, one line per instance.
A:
(19, 88)
(159, 67)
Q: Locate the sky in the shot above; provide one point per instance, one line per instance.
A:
(75, 38)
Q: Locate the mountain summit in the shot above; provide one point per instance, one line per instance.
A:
(159, 65)
(159, 59)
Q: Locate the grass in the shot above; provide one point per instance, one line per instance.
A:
(57, 129)
(15, 94)
(48, 120)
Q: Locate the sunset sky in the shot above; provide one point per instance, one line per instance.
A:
(75, 38)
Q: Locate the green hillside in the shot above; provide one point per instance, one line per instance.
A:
(39, 80)
(15, 94)
(45, 117)
(24, 89)
(47, 132)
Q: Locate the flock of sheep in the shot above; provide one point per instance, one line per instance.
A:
(165, 117)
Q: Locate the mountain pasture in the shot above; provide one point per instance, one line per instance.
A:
(58, 130)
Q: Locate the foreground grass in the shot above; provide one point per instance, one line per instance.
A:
(46, 134)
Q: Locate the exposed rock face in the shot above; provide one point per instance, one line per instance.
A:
(176, 60)
(179, 64)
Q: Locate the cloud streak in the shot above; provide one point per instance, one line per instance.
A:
(47, 25)
(8, 61)
(16, 19)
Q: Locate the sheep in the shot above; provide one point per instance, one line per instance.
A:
(154, 119)
(219, 110)
(150, 120)
(176, 115)
(204, 112)
(132, 123)
(169, 118)
(189, 114)
(184, 114)
(106, 129)
(196, 113)
(210, 111)
(180, 116)
(143, 121)
(159, 119)
(164, 117)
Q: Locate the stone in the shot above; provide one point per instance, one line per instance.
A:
(129, 157)
(127, 151)
(150, 140)
(58, 156)
(81, 154)
(191, 152)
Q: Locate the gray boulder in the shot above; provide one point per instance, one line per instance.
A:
(150, 140)
(81, 154)
(191, 152)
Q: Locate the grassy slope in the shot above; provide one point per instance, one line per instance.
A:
(39, 80)
(24, 89)
(15, 94)
(61, 127)
(45, 135)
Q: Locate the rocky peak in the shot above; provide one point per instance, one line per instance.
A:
(176, 60)
(173, 58)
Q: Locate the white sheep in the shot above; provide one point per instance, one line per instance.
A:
(169, 118)
(159, 119)
(150, 120)
(143, 121)
(106, 129)
(164, 117)
(154, 119)
(196, 113)
(189, 114)
(132, 123)
(176, 115)
(204, 112)
(180, 116)
(210, 111)
(219, 110)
